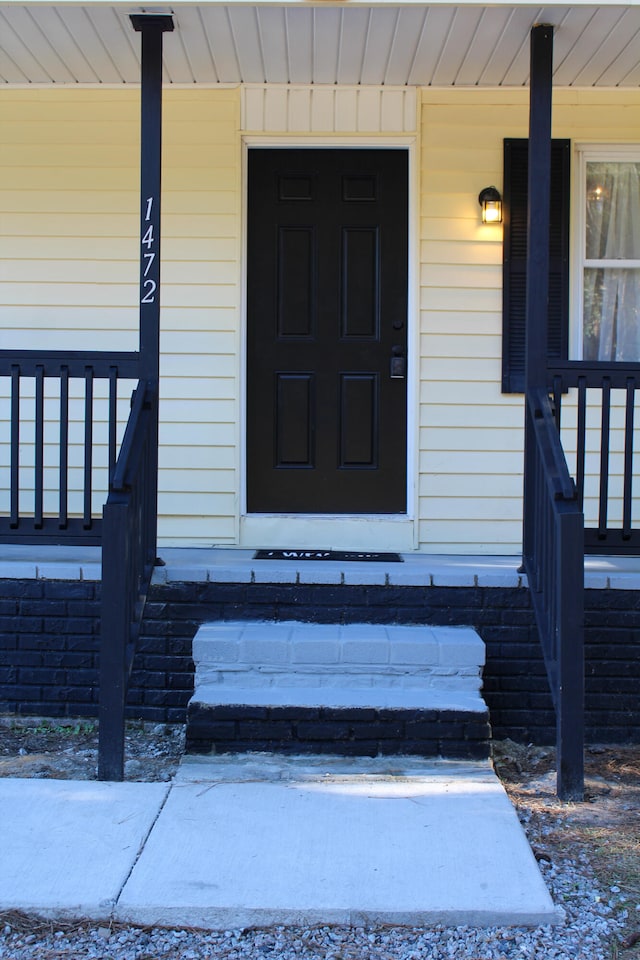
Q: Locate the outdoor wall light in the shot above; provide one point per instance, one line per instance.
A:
(491, 203)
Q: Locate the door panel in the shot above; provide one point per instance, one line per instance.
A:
(358, 419)
(294, 419)
(326, 328)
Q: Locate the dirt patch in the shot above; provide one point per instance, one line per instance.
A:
(68, 750)
(603, 833)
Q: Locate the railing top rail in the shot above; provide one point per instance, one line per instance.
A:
(550, 446)
(76, 362)
(131, 446)
(593, 372)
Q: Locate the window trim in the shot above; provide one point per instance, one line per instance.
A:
(583, 153)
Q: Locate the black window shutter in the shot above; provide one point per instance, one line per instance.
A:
(516, 164)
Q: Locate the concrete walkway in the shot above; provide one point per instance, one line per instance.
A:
(241, 841)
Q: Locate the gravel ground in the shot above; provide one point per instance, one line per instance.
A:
(581, 849)
(585, 935)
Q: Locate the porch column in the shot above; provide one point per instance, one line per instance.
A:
(562, 633)
(538, 215)
(151, 27)
(539, 194)
(128, 552)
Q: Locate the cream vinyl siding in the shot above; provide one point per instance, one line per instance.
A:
(68, 202)
(69, 174)
(197, 500)
(471, 436)
(69, 182)
(470, 484)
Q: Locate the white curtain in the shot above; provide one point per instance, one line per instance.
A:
(612, 294)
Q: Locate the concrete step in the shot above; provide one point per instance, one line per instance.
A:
(295, 654)
(355, 689)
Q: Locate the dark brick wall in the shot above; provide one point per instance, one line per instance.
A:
(350, 731)
(49, 655)
(49, 646)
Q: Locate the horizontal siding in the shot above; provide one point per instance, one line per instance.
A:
(69, 196)
(450, 534)
(470, 461)
(199, 424)
(205, 457)
(470, 447)
(68, 264)
(471, 416)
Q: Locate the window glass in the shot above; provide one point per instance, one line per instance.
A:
(611, 265)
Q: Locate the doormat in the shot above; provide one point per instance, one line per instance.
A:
(348, 555)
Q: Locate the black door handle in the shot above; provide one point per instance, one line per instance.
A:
(398, 366)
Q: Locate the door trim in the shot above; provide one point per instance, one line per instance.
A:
(256, 530)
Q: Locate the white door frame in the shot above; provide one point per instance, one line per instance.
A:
(340, 531)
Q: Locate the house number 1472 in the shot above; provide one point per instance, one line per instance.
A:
(148, 255)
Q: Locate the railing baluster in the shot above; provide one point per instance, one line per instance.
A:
(38, 511)
(605, 440)
(539, 530)
(64, 448)
(88, 445)
(15, 446)
(113, 419)
(557, 401)
(581, 445)
(628, 459)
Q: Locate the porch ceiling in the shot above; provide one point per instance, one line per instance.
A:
(438, 45)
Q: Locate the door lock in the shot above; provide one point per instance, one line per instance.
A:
(398, 366)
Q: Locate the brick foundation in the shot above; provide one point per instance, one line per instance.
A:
(49, 646)
(354, 732)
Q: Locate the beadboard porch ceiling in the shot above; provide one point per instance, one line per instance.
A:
(351, 43)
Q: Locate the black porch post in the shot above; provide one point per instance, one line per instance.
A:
(151, 27)
(539, 200)
(561, 532)
(539, 194)
(118, 565)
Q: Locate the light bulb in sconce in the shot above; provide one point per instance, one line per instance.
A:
(491, 203)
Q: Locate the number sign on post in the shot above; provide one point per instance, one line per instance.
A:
(149, 274)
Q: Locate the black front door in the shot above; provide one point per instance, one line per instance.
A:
(327, 331)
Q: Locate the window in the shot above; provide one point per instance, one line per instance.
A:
(608, 258)
(515, 191)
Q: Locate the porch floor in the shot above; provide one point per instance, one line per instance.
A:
(260, 840)
(232, 565)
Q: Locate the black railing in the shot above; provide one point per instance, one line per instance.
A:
(66, 460)
(62, 443)
(128, 556)
(554, 563)
(595, 406)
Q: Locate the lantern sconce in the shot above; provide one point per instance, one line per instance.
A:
(491, 203)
